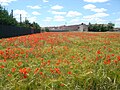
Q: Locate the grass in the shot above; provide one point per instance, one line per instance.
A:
(60, 61)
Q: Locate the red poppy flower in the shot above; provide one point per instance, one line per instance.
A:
(69, 72)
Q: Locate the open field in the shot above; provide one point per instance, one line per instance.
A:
(60, 61)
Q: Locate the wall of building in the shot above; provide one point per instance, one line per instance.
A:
(83, 28)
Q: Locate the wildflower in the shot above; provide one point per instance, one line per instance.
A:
(84, 58)
(100, 56)
(109, 49)
(19, 63)
(57, 70)
(69, 72)
(108, 57)
(9, 75)
(25, 76)
(79, 61)
(23, 71)
(104, 47)
(98, 52)
(48, 62)
(41, 73)
(13, 69)
(51, 70)
(62, 84)
(97, 58)
(57, 64)
(36, 70)
(4, 60)
(107, 61)
(115, 61)
(2, 66)
(118, 57)
(1, 52)
(72, 57)
(113, 55)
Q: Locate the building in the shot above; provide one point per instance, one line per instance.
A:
(116, 29)
(81, 27)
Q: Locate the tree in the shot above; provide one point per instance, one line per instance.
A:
(26, 24)
(110, 26)
(47, 29)
(101, 27)
(95, 27)
(6, 19)
(35, 25)
(90, 28)
(3, 16)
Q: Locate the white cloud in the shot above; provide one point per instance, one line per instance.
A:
(100, 21)
(75, 21)
(59, 18)
(32, 19)
(36, 13)
(45, 0)
(117, 22)
(97, 15)
(73, 14)
(6, 2)
(56, 18)
(34, 7)
(57, 7)
(101, 15)
(24, 15)
(96, 18)
(59, 13)
(99, 10)
(94, 8)
(95, 1)
(89, 6)
(17, 13)
(48, 19)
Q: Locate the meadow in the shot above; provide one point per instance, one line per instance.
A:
(60, 61)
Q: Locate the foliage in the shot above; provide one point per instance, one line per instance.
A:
(111, 26)
(6, 19)
(35, 25)
(46, 29)
(101, 27)
(60, 61)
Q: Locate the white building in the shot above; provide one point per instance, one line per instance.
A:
(83, 28)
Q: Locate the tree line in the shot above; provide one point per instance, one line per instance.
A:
(101, 27)
(8, 19)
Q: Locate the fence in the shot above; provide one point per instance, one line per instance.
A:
(12, 31)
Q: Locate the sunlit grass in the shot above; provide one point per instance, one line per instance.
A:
(60, 61)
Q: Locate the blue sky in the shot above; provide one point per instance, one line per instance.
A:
(65, 12)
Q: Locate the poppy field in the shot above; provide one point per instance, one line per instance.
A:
(60, 61)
